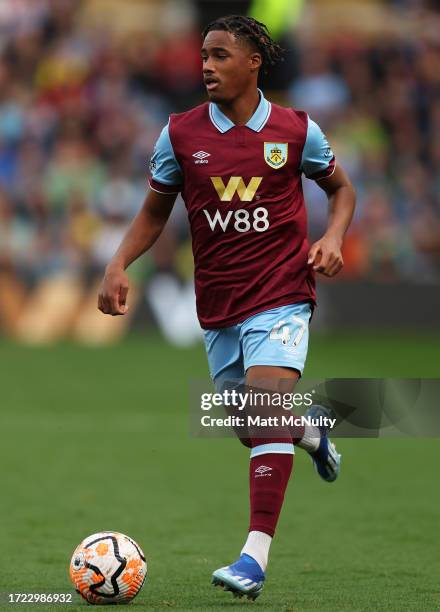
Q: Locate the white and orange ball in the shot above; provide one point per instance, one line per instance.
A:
(108, 567)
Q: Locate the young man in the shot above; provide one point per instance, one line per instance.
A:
(238, 161)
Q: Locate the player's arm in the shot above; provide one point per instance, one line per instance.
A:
(318, 163)
(326, 254)
(140, 237)
(165, 182)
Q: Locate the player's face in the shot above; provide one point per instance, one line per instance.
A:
(230, 66)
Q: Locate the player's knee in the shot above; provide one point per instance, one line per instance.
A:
(246, 442)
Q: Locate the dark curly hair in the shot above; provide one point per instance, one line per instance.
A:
(251, 30)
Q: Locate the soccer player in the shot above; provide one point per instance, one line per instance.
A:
(237, 160)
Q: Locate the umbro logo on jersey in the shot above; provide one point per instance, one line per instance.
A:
(201, 157)
(263, 469)
(201, 154)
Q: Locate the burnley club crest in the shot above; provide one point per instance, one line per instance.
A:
(275, 154)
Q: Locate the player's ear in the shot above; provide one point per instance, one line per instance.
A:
(255, 61)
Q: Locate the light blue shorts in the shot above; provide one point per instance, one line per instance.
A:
(275, 337)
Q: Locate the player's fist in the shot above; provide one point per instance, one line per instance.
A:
(325, 256)
(113, 293)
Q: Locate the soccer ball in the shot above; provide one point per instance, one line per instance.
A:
(108, 567)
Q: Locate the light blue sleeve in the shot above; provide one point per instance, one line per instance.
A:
(317, 159)
(163, 164)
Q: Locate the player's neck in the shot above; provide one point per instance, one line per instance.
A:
(240, 110)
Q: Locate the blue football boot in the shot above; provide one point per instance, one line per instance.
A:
(326, 459)
(244, 577)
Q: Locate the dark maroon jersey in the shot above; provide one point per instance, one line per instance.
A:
(242, 189)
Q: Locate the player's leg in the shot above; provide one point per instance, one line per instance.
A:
(226, 365)
(271, 464)
(275, 346)
(271, 461)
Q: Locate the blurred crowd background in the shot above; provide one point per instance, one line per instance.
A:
(87, 85)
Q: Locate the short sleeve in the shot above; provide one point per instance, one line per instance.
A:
(317, 160)
(166, 174)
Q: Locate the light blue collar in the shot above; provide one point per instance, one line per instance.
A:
(256, 122)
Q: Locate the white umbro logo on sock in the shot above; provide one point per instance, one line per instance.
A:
(200, 157)
(263, 469)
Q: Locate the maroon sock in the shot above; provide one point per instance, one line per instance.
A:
(269, 474)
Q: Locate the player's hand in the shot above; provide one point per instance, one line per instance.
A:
(113, 293)
(325, 256)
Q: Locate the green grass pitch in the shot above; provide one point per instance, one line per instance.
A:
(98, 439)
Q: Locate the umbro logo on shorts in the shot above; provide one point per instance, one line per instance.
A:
(201, 157)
